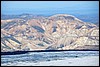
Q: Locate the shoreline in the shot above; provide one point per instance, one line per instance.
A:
(23, 52)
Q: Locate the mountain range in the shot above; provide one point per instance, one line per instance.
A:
(58, 32)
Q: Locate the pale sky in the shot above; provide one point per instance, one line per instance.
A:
(27, 6)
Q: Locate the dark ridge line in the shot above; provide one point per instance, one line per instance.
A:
(23, 52)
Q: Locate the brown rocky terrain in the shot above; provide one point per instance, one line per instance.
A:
(57, 32)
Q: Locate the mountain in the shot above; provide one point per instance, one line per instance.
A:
(57, 32)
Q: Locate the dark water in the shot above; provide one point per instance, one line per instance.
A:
(45, 56)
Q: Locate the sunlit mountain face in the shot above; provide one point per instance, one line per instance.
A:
(49, 25)
(57, 32)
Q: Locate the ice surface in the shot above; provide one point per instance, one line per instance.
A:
(64, 58)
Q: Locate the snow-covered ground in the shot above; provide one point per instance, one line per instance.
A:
(92, 59)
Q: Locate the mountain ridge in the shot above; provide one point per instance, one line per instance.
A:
(58, 32)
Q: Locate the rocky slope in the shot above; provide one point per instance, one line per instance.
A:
(57, 32)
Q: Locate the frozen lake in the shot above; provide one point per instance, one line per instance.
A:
(63, 58)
